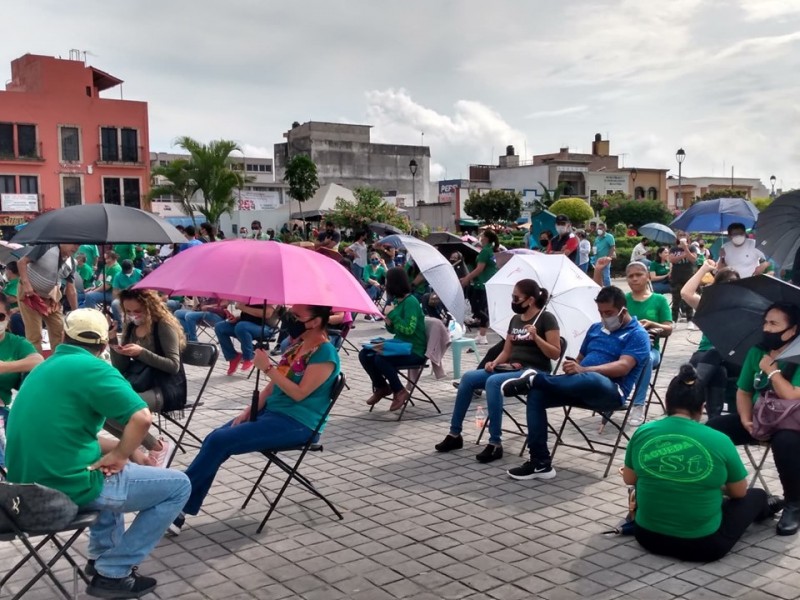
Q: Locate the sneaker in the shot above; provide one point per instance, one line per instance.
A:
(482, 340)
(377, 317)
(132, 586)
(490, 453)
(691, 326)
(368, 317)
(89, 568)
(451, 442)
(176, 526)
(519, 386)
(637, 416)
(233, 364)
(276, 351)
(247, 365)
(161, 458)
(532, 470)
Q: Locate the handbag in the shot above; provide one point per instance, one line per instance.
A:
(772, 414)
(390, 348)
(33, 507)
(142, 377)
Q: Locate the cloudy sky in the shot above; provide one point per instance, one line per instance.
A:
(716, 77)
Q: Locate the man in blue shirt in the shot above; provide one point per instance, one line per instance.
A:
(191, 239)
(611, 358)
(605, 245)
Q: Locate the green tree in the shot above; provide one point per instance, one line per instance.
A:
(576, 209)
(495, 206)
(762, 203)
(176, 180)
(301, 175)
(620, 208)
(729, 193)
(369, 207)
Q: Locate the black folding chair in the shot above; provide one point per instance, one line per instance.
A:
(411, 376)
(292, 470)
(200, 355)
(74, 529)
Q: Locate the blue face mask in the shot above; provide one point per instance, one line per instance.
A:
(374, 261)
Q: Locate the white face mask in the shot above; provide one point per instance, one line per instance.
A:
(601, 232)
(738, 240)
(613, 323)
(135, 319)
(561, 229)
(3, 327)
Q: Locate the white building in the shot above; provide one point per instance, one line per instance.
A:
(694, 187)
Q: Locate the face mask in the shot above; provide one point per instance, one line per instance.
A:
(601, 232)
(518, 308)
(613, 323)
(772, 340)
(543, 242)
(295, 328)
(374, 261)
(3, 327)
(738, 240)
(135, 319)
(561, 229)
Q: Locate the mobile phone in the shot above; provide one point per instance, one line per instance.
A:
(570, 358)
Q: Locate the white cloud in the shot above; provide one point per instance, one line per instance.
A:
(763, 10)
(256, 151)
(557, 112)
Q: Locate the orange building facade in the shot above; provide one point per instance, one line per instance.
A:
(61, 144)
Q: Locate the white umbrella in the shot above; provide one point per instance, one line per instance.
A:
(438, 272)
(572, 294)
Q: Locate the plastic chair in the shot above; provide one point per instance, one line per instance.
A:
(457, 347)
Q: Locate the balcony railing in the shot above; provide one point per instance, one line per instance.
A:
(121, 156)
(35, 156)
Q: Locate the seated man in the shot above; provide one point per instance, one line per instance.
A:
(128, 277)
(255, 322)
(611, 357)
(52, 440)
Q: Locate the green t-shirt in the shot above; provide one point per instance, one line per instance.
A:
(123, 281)
(655, 308)
(705, 344)
(378, 273)
(659, 268)
(309, 410)
(681, 467)
(12, 347)
(12, 291)
(408, 324)
(125, 252)
(604, 244)
(91, 252)
(109, 273)
(86, 274)
(485, 256)
(57, 414)
(750, 369)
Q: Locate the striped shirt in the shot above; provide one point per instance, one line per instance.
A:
(47, 269)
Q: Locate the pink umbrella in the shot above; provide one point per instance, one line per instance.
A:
(253, 271)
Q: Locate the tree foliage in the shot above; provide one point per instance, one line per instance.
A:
(729, 193)
(301, 175)
(576, 209)
(495, 206)
(176, 180)
(369, 207)
(620, 208)
(762, 203)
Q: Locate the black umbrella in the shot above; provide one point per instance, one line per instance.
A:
(99, 224)
(384, 229)
(732, 314)
(778, 229)
(442, 237)
(470, 253)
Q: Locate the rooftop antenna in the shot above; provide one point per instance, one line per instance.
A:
(623, 155)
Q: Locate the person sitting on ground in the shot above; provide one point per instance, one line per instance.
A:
(328, 237)
(741, 254)
(602, 376)
(139, 350)
(763, 373)
(209, 312)
(11, 291)
(484, 270)
(127, 278)
(533, 340)
(53, 441)
(406, 320)
(682, 471)
(255, 322)
(374, 278)
(565, 242)
(289, 408)
(652, 311)
(103, 291)
(712, 368)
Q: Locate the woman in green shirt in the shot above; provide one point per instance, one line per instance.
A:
(406, 320)
(485, 268)
(659, 271)
(373, 276)
(681, 469)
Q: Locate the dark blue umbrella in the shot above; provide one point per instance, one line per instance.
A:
(778, 230)
(715, 215)
(656, 232)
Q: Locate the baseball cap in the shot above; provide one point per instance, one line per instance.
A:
(86, 325)
(561, 219)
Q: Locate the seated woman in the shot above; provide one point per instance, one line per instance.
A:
(761, 373)
(660, 270)
(254, 322)
(374, 277)
(289, 408)
(17, 357)
(533, 340)
(681, 470)
(145, 317)
(406, 320)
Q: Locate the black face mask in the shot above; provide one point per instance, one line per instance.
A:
(295, 328)
(518, 308)
(772, 340)
(543, 243)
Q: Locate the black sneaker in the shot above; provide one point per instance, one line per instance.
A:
(450, 443)
(89, 568)
(532, 470)
(175, 527)
(490, 453)
(775, 505)
(132, 586)
(519, 386)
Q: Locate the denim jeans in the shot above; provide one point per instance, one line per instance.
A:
(92, 299)
(245, 332)
(157, 495)
(661, 287)
(190, 318)
(382, 369)
(585, 266)
(16, 325)
(374, 292)
(607, 275)
(270, 430)
(491, 382)
(641, 392)
(116, 311)
(591, 389)
(173, 305)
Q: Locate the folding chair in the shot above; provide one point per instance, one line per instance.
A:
(758, 464)
(654, 381)
(75, 529)
(196, 354)
(292, 471)
(206, 328)
(595, 445)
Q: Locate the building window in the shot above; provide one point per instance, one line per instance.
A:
(112, 194)
(638, 193)
(26, 141)
(109, 147)
(130, 187)
(28, 184)
(130, 145)
(8, 184)
(70, 144)
(652, 193)
(6, 140)
(72, 191)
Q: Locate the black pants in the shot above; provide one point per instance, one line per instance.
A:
(712, 375)
(785, 451)
(480, 305)
(676, 283)
(737, 515)
(492, 353)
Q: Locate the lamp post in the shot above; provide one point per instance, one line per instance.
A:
(772, 182)
(680, 155)
(412, 166)
(634, 174)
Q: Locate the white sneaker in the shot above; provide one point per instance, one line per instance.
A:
(162, 457)
(637, 416)
(482, 340)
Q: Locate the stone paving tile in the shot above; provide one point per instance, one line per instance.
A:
(421, 525)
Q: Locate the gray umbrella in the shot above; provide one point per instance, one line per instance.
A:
(778, 230)
(661, 234)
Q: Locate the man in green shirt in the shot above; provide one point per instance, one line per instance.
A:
(126, 278)
(92, 254)
(52, 440)
(102, 293)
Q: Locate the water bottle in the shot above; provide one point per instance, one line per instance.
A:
(480, 417)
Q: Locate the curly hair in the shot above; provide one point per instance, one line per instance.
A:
(154, 311)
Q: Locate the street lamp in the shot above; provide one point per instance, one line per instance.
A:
(634, 173)
(680, 155)
(412, 166)
(772, 181)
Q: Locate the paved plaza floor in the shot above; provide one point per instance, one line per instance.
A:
(423, 525)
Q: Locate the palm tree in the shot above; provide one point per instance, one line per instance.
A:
(301, 175)
(176, 181)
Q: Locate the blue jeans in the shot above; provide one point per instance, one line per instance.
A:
(607, 275)
(662, 287)
(270, 430)
(382, 369)
(591, 389)
(92, 299)
(157, 495)
(16, 325)
(641, 392)
(173, 305)
(190, 318)
(116, 312)
(585, 266)
(374, 292)
(245, 332)
(491, 382)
